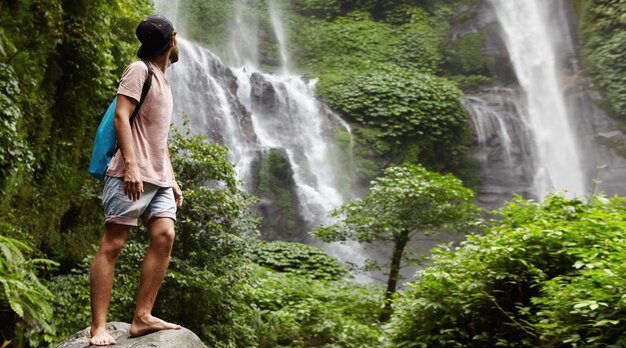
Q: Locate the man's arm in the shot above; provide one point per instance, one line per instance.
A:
(133, 185)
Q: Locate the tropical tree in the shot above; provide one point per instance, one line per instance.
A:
(405, 201)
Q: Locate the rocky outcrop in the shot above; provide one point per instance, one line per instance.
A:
(162, 339)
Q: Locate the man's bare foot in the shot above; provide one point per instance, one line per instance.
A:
(100, 337)
(148, 324)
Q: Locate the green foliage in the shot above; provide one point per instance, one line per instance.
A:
(406, 198)
(402, 103)
(207, 21)
(380, 75)
(25, 302)
(214, 229)
(71, 301)
(297, 258)
(275, 184)
(58, 68)
(405, 201)
(323, 9)
(604, 50)
(545, 275)
(356, 41)
(15, 156)
(464, 55)
(296, 311)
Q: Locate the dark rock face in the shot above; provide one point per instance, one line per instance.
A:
(502, 144)
(162, 339)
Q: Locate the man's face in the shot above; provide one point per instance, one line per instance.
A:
(175, 50)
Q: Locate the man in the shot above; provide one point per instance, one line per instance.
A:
(140, 182)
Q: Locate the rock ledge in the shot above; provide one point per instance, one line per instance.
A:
(162, 339)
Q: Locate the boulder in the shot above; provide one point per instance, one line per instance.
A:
(162, 339)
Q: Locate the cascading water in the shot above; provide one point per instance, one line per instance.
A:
(505, 146)
(528, 27)
(253, 112)
(205, 93)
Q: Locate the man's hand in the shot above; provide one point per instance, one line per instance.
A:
(178, 194)
(133, 186)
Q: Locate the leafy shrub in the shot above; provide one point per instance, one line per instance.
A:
(298, 258)
(296, 311)
(545, 275)
(25, 302)
(404, 104)
(71, 302)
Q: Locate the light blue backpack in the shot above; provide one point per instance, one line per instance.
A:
(105, 144)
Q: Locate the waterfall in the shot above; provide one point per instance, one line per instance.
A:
(203, 93)
(252, 112)
(528, 27)
(504, 144)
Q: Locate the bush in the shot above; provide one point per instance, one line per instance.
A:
(298, 258)
(25, 301)
(296, 311)
(404, 104)
(545, 275)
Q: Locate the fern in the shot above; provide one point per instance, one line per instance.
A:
(20, 287)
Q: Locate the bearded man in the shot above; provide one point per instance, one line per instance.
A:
(139, 181)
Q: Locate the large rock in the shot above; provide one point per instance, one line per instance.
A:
(182, 338)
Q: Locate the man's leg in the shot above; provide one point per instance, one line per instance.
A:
(155, 264)
(101, 276)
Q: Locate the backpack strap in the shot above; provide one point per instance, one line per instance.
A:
(144, 91)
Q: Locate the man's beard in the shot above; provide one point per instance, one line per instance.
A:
(174, 55)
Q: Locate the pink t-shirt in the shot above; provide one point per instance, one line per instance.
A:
(151, 126)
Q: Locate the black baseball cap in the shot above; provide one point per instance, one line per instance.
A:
(155, 33)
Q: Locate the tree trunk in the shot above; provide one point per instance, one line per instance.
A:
(400, 243)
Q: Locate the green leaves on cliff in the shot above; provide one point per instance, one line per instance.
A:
(380, 74)
(355, 41)
(15, 154)
(400, 102)
(604, 50)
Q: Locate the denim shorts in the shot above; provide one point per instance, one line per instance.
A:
(154, 202)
